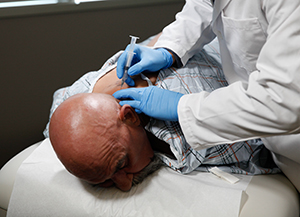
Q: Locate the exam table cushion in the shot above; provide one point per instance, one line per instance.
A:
(267, 195)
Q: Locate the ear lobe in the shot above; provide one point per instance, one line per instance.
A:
(128, 115)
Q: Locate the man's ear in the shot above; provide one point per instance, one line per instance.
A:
(129, 116)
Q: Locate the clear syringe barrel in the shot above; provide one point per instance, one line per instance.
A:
(130, 51)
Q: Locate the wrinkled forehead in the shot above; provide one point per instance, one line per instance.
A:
(103, 164)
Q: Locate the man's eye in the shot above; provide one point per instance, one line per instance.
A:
(121, 165)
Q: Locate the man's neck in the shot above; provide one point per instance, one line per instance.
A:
(110, 83)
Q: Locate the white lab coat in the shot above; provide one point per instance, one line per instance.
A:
(260, 50)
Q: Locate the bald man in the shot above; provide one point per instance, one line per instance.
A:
(101, 142)
(107, 159)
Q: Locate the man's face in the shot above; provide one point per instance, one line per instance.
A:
(127, 163)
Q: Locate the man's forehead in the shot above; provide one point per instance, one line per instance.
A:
(118, 155)
(110, 160)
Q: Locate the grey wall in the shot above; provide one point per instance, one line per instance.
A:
(40, 54)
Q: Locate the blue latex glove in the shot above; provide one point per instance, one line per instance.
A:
(144, 59)
(153, 101)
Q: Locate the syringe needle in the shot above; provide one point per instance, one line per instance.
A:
(129, 57)
(124, 78)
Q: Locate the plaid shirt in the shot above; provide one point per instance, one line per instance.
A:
(203, 72)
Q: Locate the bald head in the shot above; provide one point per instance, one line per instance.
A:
(99, 141)
(83, 129)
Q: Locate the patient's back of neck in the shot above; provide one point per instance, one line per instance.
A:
(110, 83)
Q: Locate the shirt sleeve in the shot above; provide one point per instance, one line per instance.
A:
(190, 31)
(267, 105)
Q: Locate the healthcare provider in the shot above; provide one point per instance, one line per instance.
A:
(260, 51)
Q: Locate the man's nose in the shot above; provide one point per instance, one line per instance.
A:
(122, 180)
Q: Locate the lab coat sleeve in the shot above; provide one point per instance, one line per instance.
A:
(190, 31)
(268, 105)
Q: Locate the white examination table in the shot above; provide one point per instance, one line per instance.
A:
(265, 195)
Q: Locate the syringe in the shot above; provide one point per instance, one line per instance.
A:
(129, 57)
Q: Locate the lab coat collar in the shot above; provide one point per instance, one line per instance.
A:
(219, 5)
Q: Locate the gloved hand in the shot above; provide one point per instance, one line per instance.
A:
(144, 59)
(153, 101)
